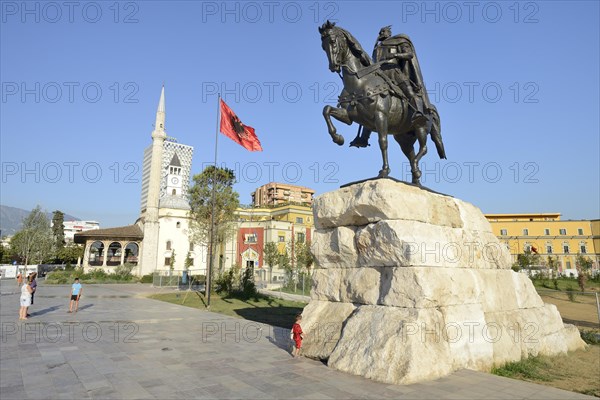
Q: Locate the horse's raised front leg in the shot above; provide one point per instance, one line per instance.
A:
(341, 115)
(381, 124)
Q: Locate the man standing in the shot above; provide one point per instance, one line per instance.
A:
(76, 291)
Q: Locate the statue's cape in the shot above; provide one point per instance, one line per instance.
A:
(414, 68)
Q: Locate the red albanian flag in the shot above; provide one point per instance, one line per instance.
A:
(232, 127)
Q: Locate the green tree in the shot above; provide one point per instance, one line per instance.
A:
(248, 287)
(527, 260)
(4, 253)
(286, 264)
(188, 260)
(226, 201)
(304, 258)
(58, 231)
(33, 243)
(583, 266)
(172, 261)
(70, 253)
(271, 256)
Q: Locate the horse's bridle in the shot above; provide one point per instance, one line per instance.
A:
(338, 38)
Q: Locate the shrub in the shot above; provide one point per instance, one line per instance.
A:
(590, 337)
(77, 272)
(98, 274)
(555, 282)
(248, 287)
(59, 277)
(123, 272)
(197, 279)
(147, 278)
(571, 293)
(226, 281)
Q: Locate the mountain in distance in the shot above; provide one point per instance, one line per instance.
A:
(11, 219)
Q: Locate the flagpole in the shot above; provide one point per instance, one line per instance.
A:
(212, 213)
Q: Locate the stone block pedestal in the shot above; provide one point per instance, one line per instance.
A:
(410, 285)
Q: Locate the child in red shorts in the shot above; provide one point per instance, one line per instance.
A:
(298, 335)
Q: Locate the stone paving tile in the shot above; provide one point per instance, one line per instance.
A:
(12, 392)
(170, 356)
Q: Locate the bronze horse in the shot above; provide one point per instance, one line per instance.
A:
(368, 101)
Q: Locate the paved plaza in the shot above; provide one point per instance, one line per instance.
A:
(121, 345)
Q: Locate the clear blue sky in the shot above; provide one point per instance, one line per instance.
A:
(516, 85)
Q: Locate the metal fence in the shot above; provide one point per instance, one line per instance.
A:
(581, 309)
(299, 284)
(177, 280)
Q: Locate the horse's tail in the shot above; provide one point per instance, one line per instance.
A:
(436, 133)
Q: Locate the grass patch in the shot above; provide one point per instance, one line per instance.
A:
(264, 309)
(533, 368)
(563, 284)
(577, 371)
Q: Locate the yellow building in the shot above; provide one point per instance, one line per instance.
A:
(549, 236)
(284, 224)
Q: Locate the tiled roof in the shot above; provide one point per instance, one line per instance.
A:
(121, 232)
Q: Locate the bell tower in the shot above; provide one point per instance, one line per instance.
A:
(174, 181)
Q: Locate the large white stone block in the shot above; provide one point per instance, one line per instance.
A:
(385, 344)
(383, 199)
(412, 243)
(322, 323)
(335, 248)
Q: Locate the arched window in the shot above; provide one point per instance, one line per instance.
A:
(178, 225)
(168, 245)
(114, 254)
(131, 253)
(174, 192)
(96, 253)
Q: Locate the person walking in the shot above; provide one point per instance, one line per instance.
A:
(25, 299)
(76, 291)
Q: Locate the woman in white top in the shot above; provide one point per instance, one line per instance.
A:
(26, 291)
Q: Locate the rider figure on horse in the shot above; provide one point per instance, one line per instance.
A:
(399, 67)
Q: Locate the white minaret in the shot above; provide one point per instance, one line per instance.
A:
(148, 261)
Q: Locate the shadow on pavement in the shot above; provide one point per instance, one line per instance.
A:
(275, 316)
(44, 311)
(281, 338)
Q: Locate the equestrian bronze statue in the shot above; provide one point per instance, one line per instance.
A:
(385, 94)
